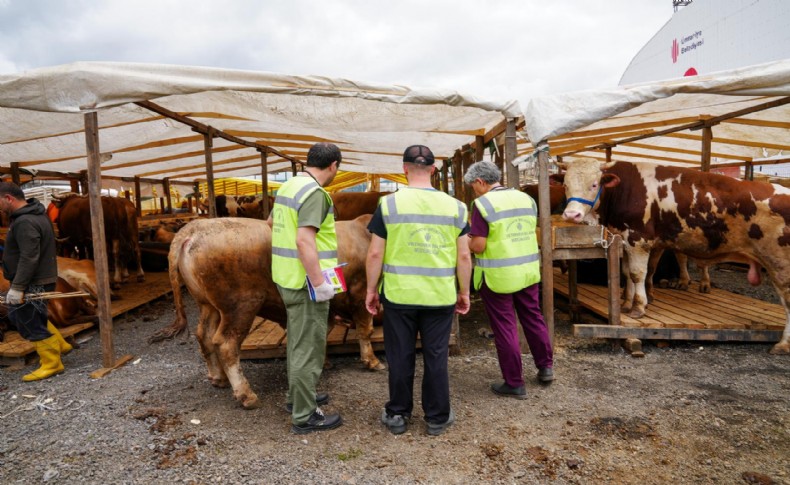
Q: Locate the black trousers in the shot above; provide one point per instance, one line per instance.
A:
(400, 340)
(30, 318)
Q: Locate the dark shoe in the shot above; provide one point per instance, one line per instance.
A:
(318, 422)
(545, 375)
(502, 389)
(435, 429)
(321, 398)
(395, 423)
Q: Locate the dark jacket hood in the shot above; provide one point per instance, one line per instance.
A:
(33, 207)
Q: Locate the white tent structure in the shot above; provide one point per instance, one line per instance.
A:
(730, 118)
(178, 125)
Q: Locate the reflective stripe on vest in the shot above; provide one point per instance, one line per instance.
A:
(287, 269)
(511, 261)
(420, 256)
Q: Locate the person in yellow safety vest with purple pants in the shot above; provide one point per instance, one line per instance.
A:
(507, 275)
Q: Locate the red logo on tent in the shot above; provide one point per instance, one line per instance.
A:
(675, 51)
(690, 72)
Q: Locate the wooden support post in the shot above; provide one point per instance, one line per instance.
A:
(573, 290)
(480, 148)
(544, 221)
(466, 161)
(208, 142)
(458, 180)
(445, 169)
(99, 243)
(293, 168)
(15, 178)
(510, 155)
(138, 197)
(168, 198)
(499, 161)
(707, 138)
(75, 185)
(127, 194)
(264, 186)
(608, 154)
(189, 204)
(748, 171)
(613, 266)
(161, 205)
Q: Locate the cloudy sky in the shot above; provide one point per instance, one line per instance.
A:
(495, 49)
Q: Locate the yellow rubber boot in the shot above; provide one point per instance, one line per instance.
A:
(49, 354)
(65, 347)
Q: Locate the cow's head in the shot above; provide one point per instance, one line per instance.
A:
(584, 180)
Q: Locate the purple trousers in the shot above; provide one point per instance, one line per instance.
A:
(502, 310)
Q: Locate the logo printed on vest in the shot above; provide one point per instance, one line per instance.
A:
(427, 240)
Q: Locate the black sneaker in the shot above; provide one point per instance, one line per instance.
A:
(318, 422)
(395, 423)
(502, 389)
(545, 375)
(435, 429)
(321, 398)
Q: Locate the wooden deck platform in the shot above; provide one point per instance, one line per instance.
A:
(14, 348)
(683, 315)
(267, 340)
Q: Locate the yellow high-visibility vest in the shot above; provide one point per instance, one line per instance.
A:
(511, 261)
(287, 269)
(423, 226)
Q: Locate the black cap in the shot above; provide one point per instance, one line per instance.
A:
(419, 154)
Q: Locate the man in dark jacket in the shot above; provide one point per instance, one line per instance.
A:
(30, 265)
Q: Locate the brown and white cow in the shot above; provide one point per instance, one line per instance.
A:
(707, 216)
(226, 267)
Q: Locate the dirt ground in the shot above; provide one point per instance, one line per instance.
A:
(685, 413)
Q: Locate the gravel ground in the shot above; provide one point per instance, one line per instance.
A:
(685, 413)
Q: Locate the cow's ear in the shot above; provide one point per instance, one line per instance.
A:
(556, 179)
(610, 180)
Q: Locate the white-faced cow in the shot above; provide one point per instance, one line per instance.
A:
(707, 216)
(226, 267)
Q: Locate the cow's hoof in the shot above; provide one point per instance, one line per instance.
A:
(625, 308)
(781, 349)
(636, 313)
(140, 279)
(663, 283)
(375, 366)
(115, 286)
(250, 402)
(683, 286)
(704, 288)
(218, 382)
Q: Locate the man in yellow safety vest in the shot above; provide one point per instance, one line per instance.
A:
(304, 244)
(507, 275)
(418, 268)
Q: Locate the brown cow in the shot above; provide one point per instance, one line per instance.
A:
(226, 267)
(254, 209)
(226, 206)
(350, 205)
(120, 230)
(707, 216)
(81, 274)
(556, 196)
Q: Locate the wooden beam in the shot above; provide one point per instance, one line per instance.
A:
(544, 222)
(707, 121)
(479, 148)
(208, 143)
(732, 141)
(204, 129)
(783, 125)
(645, 146)
(99, 241)
(168, 198)
(707, 136)
(445, 184)
(650, 333)
(458, 178)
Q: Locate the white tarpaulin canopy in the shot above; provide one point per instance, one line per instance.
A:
(41, 112)
(747, 111)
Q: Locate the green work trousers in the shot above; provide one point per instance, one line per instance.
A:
(306, 346)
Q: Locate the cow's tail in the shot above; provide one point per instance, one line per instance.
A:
(176, 282)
